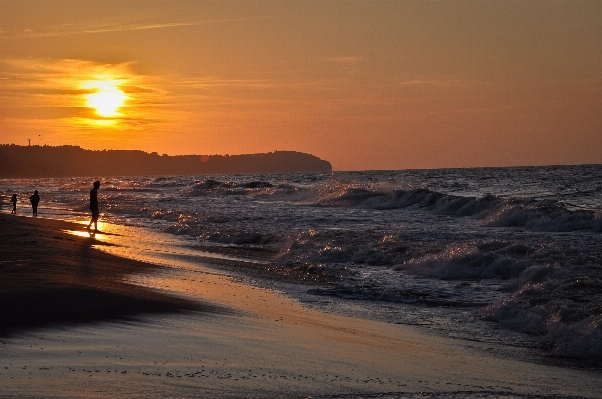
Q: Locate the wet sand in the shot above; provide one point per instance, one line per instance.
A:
(192, 331)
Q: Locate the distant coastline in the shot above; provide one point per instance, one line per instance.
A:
(70, 161)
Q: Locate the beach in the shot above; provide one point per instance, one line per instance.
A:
(328, 199)
(81, 323)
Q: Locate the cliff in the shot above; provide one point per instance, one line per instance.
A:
(69, 161)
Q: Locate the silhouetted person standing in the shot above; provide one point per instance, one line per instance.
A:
(35, 200)
(13, 199)
(94, 205)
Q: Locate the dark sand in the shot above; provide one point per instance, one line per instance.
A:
(48, 276)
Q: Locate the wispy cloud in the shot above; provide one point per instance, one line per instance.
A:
(208, 82)
(28, 33)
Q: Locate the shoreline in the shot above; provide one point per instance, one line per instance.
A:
(202, 332)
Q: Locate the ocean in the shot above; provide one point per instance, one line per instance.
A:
(504, 256)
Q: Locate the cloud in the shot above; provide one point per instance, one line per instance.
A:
(208, 82)
(54, 90)
(129, 27)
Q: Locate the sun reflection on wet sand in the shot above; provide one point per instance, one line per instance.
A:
(102, 230)
(78, 233)
(175, 253)
(149, 246)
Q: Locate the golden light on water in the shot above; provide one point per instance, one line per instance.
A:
(106, 99)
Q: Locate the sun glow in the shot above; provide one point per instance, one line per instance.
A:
(106, 99)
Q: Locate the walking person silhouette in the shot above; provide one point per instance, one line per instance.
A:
(13, 199)
(35, 200)
(94, 206)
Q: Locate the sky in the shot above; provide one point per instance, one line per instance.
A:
(362, 84)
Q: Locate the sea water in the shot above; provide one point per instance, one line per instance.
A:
(504, 255)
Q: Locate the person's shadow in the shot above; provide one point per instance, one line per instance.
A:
(86, 269)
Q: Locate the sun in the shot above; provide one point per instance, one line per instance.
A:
(107, 97)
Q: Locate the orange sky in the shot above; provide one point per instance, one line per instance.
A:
(363, 84)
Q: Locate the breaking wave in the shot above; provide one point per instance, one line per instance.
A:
(527, 213)
(562, 308)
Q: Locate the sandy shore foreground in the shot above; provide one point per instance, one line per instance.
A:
(77, 322)
(48, 276)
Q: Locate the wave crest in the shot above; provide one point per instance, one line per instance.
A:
(527, 213)
(564, 311)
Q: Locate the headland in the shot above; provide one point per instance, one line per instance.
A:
(72, 161)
